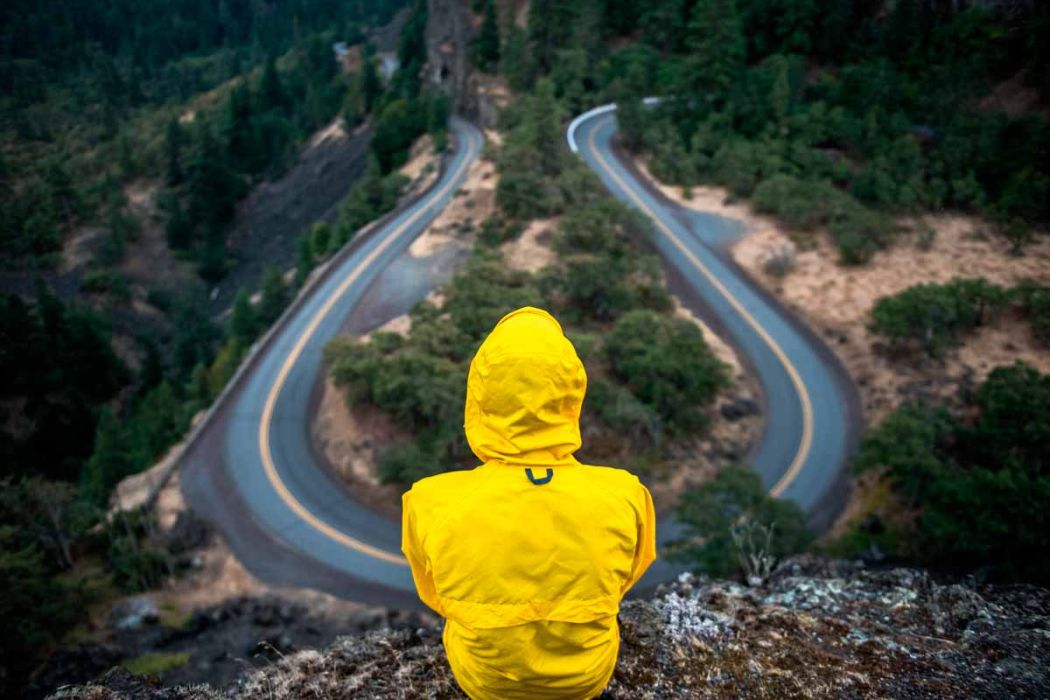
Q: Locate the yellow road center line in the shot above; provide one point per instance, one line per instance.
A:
(271, 401)
(807, 406)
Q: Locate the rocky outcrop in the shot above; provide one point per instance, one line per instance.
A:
(815, 628)
(450, 31)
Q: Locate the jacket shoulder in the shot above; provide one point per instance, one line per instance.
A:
(440, 486)
(615, 480)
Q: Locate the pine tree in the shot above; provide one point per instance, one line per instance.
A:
(487, 46)
(271, 91)
(321, 239)
(516, 61)
(716, 45)
(544, 123)
(243, 322)
(371, 86)
(304, 259)
(630, 114)
(550, 25)
(274, 296)
(662, 24)
(110, 461)
(173, 139)
(237, 131)
(213, 186)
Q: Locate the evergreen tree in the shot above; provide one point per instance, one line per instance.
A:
(304, 259)
(110, 461)
(716, 48)
(487, 44)
(371, 86)
(274, 296)
(243, 323)
(516, 61)
(550, 26)
(662, 24)
(213, 187)
(237, 130)
(543, 121)
(271, 91)
(172, 152)
(630, 112)
(321, 239)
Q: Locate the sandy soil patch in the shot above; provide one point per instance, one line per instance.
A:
(726, 440)
(216, 576)
(472, 203)
(531, 251)
(422, 165)
(711, 200)
(148, 260)
(335, 131)
(79, 249)
(836, 301)
(351, 439)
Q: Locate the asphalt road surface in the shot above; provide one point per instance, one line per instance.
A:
(251, 469)
(810, 403)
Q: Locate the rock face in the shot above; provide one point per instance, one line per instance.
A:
(450, 30)
(815, 628)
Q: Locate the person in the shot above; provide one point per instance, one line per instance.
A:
(528, 556)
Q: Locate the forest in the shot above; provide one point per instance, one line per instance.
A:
(85, 114)
(832, 115)
(610, 294)
(836, 115)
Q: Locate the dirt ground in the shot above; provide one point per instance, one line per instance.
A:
(531, 251)
(216, 577)
(350, 437)
(472, 203)
(836, 301)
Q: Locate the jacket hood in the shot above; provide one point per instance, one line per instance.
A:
(524, 393)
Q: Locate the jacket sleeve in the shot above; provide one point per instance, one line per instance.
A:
(645, 548)
(422, 574)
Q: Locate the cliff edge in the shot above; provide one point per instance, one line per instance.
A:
(816, 628)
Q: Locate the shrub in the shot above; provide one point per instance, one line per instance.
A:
(621, 410)
(975, 483)
(800, 204)
(718, 516)
(667, 365)
(780, 261)
(934, 315)
(1035, 302)
(409, 462)
(857, 231)
(495, 232)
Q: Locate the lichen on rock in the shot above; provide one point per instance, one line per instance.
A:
(814, 628)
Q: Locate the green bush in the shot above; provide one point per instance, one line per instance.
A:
(1035, 303)
(934, 315)
(800, 204)
(734, 498)
(976, 481)
(409, 462)
(621, 410)
(667, 365)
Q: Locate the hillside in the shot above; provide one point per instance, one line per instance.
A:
(816, 628)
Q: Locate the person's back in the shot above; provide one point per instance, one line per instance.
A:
(528, 556)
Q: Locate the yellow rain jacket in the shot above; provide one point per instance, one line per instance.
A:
(528, 555)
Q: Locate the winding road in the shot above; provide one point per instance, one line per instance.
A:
(250, 468)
